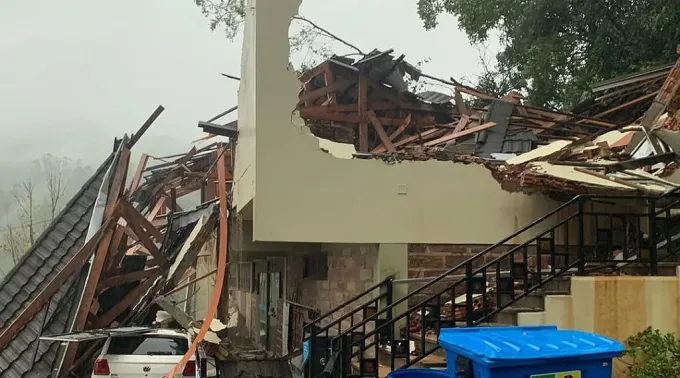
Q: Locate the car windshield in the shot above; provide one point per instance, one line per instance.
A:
(148, 345)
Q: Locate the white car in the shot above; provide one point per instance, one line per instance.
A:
(147, 355)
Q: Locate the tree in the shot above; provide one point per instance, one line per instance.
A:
(553, 50)
(54, 172)
(309, 39)
(24, 194)
(12, 239)
(35, 201)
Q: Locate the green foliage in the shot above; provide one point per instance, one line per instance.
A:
(228, 13)
(554, 49)
(653, 355)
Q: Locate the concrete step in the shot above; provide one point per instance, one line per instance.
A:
(535, 299)
(508, 316)
(434, 359)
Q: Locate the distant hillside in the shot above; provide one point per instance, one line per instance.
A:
(18, 159)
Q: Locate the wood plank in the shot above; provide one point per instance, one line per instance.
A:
(142, 235)
(407, 140)
(460, 104)
(404, 125)
(101, 255)
(347, 118)
(381, 131)
(338, 86)
(136, 217)
(126, 278)
(137, 178)
(460, 134)
(627, 104)
(316, 71)
(115, 247)
(362, 104)
(145, 126)
(462, 123)
(329, 78)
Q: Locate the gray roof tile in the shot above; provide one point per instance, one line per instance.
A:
(60, 241)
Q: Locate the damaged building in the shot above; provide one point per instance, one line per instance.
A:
(342, 203)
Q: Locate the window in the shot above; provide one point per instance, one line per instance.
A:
(315, 266)
(148, 346)
(233, 278)
(245, 276)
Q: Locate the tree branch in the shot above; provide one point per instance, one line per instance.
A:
(329, 34)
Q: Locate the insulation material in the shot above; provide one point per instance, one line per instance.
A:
(540, 152)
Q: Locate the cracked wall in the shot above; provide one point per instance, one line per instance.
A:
(309, 191)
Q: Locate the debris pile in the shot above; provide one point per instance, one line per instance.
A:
(367, 103)
(620, 138)
(118, 245)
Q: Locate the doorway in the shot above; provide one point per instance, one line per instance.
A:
(270, 280)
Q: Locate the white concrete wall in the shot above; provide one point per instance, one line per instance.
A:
(305, 194)
(244, 170)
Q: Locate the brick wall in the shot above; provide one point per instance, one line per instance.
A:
(431, 260)
(350, 271)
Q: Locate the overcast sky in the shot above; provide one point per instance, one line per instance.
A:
(76, 73)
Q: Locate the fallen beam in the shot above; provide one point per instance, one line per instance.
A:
(126, 278)
(460, 134)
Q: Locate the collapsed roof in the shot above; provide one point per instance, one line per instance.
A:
(367, 103)
(115, 247)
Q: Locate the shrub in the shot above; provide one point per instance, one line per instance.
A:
(651, 354)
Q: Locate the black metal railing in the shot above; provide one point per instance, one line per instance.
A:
(575, 238)
(318, 335)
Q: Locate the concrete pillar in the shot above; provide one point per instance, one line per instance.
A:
(393, 261)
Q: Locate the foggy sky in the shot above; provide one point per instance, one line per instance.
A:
(76, 73)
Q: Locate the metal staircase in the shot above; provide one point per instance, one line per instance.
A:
(586, 235)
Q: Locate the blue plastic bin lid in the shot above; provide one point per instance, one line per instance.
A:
(419, 373)
(521, 345)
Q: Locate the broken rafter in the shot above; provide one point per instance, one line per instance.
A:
(348, 118)
(380, 131)
(126, 278)
(338, 86)
(329, 78)
(142, 235)
(456, 135)
(99, 261)
(134, 216)
(460, 104)
(137, 179)
(145, 126)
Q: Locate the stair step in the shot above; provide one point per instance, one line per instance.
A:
(432, 338)
(515, 310)
(432, 360)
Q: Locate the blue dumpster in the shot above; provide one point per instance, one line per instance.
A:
(418, 373)
(527, 352)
